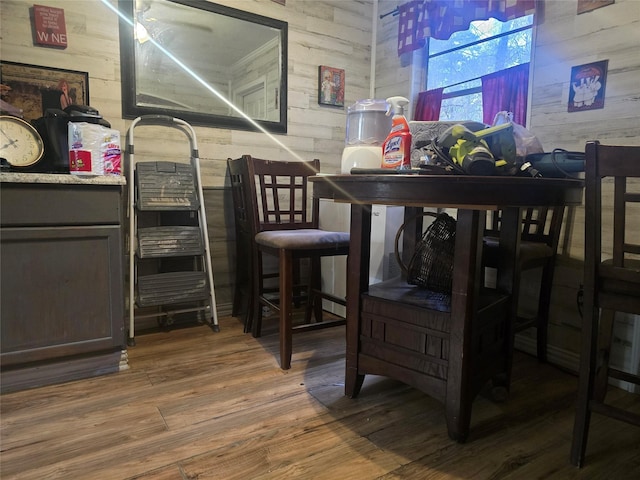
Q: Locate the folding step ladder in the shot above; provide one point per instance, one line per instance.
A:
(169, 257)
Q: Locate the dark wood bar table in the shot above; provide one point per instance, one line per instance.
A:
(448, 346)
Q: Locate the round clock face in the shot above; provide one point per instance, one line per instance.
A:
(20, 143)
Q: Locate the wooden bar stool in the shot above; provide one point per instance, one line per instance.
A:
(285, 225)
(541, 228)
(244, 261)
(610, 286)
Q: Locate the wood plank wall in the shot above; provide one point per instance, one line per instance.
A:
(221, 229)
(338, 33)
(563, 40)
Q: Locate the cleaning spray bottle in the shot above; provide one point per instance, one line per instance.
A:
(396, 150)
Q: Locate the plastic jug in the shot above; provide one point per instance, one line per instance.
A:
(367, 128)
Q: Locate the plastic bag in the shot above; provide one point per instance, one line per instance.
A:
(526, 142)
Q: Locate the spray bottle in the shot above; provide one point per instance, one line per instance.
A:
(396, 150)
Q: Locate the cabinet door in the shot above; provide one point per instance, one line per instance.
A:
(62, 292)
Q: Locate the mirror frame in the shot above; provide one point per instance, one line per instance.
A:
(130, 108)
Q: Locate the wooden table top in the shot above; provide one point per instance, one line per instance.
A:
(452, 191)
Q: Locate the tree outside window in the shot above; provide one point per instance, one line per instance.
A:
(457, 64)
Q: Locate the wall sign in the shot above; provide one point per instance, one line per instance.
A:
(49, 29)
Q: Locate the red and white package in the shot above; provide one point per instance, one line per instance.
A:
(94, 149)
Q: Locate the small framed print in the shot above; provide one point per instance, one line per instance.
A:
(589, 5)
(330, 86)
(587, 88)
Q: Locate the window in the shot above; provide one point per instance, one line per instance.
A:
(458, 64)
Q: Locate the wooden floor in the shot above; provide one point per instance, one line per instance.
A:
(198, 404)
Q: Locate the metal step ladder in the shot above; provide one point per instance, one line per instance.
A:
(169, 258)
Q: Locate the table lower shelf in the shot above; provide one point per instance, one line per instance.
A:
(405, 333)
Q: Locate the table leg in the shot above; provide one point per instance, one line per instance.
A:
(464, 304)
(357, 283)
(508, 278)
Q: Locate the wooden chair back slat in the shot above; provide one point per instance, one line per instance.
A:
(284, 190)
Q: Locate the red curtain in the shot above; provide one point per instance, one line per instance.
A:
(506, 90)
(428, 106)
(421, 19)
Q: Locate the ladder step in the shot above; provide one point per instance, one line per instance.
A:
(165, 186)
(171, 288)
(174, 241)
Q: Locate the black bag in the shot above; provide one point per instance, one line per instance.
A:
(431, 265)
(53, 128)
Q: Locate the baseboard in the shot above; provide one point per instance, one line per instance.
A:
(555, 356)
(61, 370)
(565, 359)
(151, 322)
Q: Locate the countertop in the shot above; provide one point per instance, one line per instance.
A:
(61, 178)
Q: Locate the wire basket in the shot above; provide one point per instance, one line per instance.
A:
(431, 265)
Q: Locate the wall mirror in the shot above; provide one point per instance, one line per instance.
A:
(176, 54)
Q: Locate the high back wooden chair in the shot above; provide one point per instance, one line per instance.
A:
(610, 285)
(538, 247)
(285, 225)
(242, 213)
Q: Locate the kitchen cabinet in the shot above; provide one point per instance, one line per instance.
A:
(61, 278)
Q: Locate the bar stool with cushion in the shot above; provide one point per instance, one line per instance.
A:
(610, 286)
(538, 247)
(285, 225)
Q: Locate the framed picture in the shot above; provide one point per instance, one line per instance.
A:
(330, 86)
(589, 5)
(587, 88)
(29, 90)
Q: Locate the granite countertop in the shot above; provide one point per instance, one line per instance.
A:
(61, 178)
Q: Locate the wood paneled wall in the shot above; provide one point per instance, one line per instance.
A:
(218, 205)
(563, 39)
(321, 32)
(338, 33)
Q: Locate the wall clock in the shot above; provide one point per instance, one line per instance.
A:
(20, 143)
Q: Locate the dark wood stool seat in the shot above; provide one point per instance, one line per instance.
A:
(610, 286)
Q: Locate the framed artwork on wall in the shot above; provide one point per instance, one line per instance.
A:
(589, 5)
(29, 90)
(587, 88)
(330, 86)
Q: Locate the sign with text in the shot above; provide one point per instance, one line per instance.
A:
(49, 27)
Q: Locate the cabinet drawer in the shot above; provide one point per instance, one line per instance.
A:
(49, 204)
